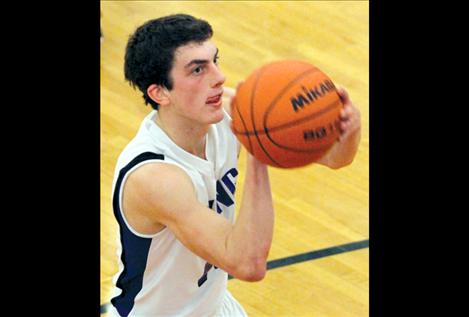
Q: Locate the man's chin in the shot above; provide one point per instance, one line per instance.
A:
(217, 116)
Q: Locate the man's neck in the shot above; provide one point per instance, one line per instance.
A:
(187, 135)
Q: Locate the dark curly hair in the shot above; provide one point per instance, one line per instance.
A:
(150, 50)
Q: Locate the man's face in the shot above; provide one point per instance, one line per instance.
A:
(197, 83)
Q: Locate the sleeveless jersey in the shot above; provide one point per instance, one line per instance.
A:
(158, 275)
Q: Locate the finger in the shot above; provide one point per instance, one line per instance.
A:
(347, 111)
(342, 136)
(343, 114)
(343, 126)
(343, 94)
(351, 108)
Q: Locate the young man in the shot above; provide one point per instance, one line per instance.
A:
(174, 183)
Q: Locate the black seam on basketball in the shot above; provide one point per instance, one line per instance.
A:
(244, 124)
(252, 117)
(280, 94)
(247, 133)
(319, 149)
(328, 108)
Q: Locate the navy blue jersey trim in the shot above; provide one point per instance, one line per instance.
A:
(134, 249)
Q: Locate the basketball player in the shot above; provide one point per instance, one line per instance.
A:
(174, 183)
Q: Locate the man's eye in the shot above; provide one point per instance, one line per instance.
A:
(197, 70)
(216, 60)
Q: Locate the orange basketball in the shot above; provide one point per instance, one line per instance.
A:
(286, 113)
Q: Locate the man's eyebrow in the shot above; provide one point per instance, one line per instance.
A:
(199, 61)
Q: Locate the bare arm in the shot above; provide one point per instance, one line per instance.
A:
(240, 249)
(255, 222)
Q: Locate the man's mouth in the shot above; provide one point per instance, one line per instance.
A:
(214, 100)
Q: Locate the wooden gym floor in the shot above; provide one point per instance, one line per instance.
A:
(320, 213)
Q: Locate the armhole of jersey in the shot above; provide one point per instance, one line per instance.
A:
(120, 194)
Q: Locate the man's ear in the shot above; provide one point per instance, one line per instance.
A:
(158, 94)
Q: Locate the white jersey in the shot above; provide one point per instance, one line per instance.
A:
(158, 275)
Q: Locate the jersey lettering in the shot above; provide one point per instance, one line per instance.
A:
(203, 279)
(223, 197)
